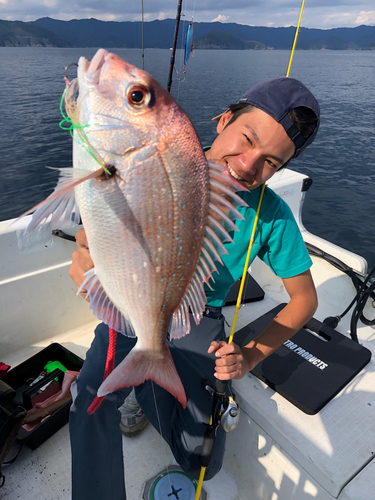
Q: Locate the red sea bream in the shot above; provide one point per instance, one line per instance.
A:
(154, 210)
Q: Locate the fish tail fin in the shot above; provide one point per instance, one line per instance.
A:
(139, 366)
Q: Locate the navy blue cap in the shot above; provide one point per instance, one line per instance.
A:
(277, 97)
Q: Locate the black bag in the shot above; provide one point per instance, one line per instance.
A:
(11, 419)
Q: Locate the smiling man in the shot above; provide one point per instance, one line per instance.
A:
(272, 123)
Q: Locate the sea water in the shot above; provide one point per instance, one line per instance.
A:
(340, 205)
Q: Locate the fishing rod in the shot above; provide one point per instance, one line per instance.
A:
(220, 385)
(295, 38)
(143, 40)
(178, 17)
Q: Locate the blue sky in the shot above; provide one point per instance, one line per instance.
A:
(317, 13)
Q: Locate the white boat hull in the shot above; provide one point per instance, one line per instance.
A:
(276, 452)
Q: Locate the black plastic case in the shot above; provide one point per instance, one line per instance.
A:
(30, 369)
(306, 370)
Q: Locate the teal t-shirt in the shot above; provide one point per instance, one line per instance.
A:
(278, 242)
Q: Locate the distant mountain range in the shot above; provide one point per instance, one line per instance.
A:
(216, 39)
(47, 32)
(20, 34)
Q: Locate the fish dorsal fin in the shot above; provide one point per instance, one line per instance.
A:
(60, 209)
(222, 212)
(102, 306)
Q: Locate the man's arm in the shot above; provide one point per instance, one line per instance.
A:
(234, 362)
(81, 261)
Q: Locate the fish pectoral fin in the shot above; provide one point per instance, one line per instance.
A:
(56, 211)
(102, 306)
(139, 366)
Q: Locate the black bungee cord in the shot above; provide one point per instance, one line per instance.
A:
(364, 288)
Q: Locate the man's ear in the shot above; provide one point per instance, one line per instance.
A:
(224, 120)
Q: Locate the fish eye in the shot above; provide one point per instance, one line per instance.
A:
(138, 96)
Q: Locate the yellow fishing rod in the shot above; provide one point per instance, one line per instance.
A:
(295, 38)
(220, 385)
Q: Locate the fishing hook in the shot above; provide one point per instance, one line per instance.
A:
(66, 72)
(178, 74)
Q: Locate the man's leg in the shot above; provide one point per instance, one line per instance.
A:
(96, 440)
(133, 420)
(184, 429)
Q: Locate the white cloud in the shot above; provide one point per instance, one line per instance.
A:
(335, 20)
(108, 17)
(165, 15)
(146, 17)
(318, 14)
(220, 18)
(160, 16)
(50, 3)
(366, 17)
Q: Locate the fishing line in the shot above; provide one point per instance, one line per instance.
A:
(143, 40)
(72, 125)
(180, 78)
(80, 130)
(183, 45)
(161, 434)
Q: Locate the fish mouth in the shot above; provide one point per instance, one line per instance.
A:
(92, 69)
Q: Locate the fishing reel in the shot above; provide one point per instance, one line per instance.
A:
(227, 410)
(230, 415)
(224, 411)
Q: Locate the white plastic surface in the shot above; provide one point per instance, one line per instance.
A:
(276, 453)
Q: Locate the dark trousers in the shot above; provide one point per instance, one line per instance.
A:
(96, 440)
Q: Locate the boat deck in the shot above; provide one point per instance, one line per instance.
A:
(45, 473)
(290, 454)
(277, 452)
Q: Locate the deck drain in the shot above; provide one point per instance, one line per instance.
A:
(172, 484)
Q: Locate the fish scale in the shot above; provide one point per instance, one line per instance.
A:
(154, 225)
(140, 295)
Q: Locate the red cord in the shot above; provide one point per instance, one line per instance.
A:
(109, 366)
(3, 369)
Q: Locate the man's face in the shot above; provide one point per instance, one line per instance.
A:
(253, 147)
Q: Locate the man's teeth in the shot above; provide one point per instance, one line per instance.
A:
(233, 174)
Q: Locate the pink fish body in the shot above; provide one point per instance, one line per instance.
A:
(154, 224)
